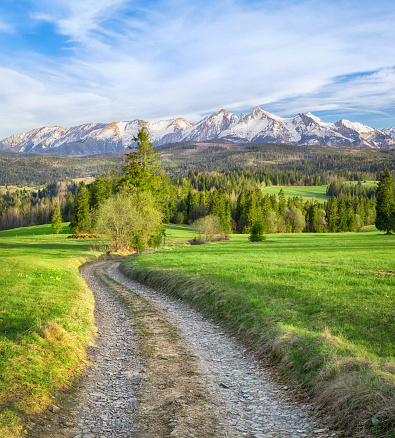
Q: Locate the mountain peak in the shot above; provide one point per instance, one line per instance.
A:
(315, 118)
(258, 125)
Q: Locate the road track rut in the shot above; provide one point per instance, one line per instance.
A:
(160, 369)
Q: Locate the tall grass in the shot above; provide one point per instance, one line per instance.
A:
(46, 319)
(321, 304)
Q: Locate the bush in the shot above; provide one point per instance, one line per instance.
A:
(130, 219)
(257, 232)
(210, 226)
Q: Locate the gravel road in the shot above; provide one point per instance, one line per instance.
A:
(245, 399)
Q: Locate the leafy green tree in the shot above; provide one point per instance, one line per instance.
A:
(209, 225)
(257, 232)
(295, 219)
(82, 221)
(130, 218)
(56, 220)
(270, 221)
(385, 207)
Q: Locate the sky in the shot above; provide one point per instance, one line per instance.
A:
(69, 62)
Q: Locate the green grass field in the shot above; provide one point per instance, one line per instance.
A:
(46, 319)
(176, 234)
(323, 303)
(308, 193)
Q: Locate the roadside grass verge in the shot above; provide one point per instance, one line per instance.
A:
(321, 304)
(46, 319)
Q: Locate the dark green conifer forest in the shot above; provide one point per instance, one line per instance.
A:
(188, 188)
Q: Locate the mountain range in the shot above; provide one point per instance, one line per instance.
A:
(257, 126)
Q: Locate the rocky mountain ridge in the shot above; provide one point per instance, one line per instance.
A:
(257, 126)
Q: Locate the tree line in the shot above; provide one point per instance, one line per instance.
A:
(142, 190)
(23, 207)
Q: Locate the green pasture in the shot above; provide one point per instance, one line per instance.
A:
(341, 282)
(46, 318)
(308, 193)
(176, 234)
(323, 304)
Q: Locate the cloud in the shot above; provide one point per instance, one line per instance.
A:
(156, 59)
(372, 92)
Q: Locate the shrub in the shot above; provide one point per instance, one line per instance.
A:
(257, 232)
(130, 219)
(210, 226)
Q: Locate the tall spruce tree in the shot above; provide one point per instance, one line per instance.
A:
(82, 218)
(56, 220)
(142, 170)
(332, 217)
(385, 207)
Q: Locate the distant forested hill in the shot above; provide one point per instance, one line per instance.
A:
(26, 170)
(221, 156)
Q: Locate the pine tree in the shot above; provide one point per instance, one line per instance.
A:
(142, 170)
(82, 219)
(385, 207)
(257, 231)
(281, 201)
(351, 221)
(56, 220)
(332, 217)
(342, 224)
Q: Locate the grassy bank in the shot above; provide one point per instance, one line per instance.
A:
(321, 304)
(46, 319)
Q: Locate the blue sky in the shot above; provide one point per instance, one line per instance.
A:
(68, 62)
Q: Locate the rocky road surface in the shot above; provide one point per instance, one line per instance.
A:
(160, 369)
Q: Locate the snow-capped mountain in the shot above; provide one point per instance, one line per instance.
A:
(390, 132)
(257, 126)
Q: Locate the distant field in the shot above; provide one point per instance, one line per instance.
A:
(46, 318)
(176, 234)
(320, 301)
(307, 192)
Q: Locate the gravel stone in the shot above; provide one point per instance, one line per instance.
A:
(109, 401)
(250, 401)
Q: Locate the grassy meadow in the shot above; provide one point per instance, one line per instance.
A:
(46, 319)
(322, 304)
(308, 193)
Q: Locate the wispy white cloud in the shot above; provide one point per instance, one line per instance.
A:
(161, 59)
(358, 94)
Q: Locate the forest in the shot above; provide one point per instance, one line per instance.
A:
(233, 195)
(280, 163)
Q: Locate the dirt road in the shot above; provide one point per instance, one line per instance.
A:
(160, 369)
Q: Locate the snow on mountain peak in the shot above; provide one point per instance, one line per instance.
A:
(355, 126)
(258, 125)
(313, 117)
